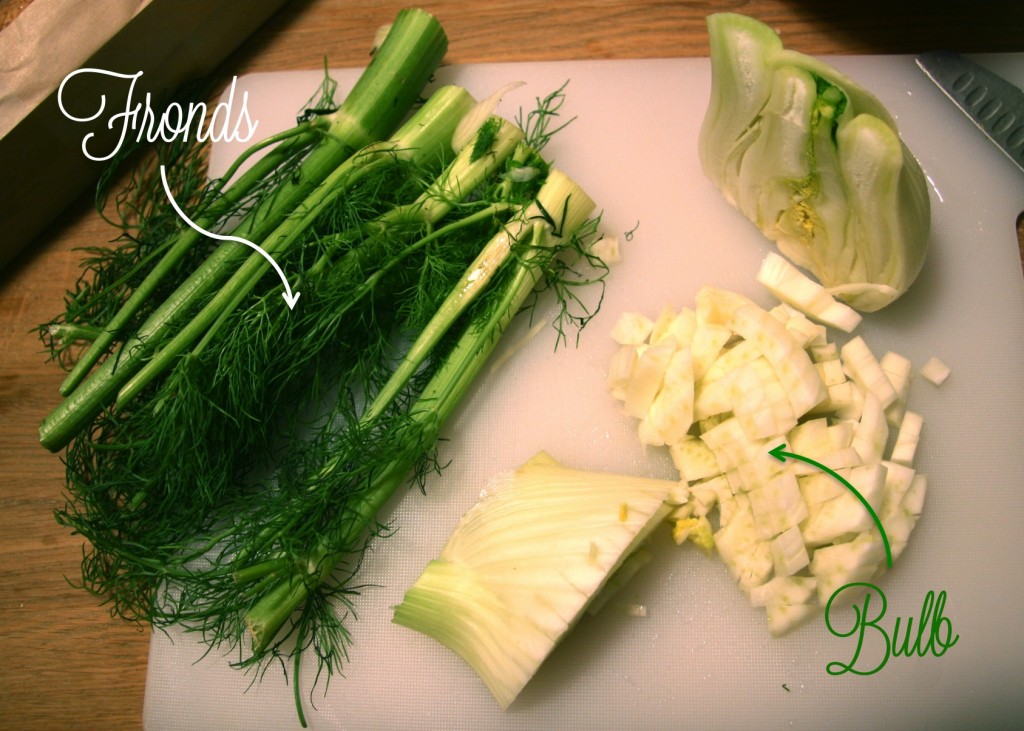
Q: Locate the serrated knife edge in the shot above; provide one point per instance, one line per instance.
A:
(994, 105)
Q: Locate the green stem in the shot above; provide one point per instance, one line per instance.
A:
(300, 131)
(298, 138)
(260, 570)
(552, 196)
(300, 640)
(422, 139)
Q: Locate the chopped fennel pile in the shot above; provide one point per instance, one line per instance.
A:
(722, 385)
(815, 162)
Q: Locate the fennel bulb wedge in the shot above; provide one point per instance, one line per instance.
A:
(526, 561)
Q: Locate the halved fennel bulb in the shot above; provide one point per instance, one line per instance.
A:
(526, 561)
(815, 162)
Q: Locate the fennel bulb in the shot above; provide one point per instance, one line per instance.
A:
(815, 162)
(526, 561)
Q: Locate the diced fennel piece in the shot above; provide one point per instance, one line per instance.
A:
(913, 501)
(784, 617)
(632, 328)
(754, 473)
(815, 162)
(844, 563)
(759, 401)
(845, 515)
(713, 397)
(905, 502)
(748, 558)
(830, 371)
(865, 370)
(872, 432)
(791, 363)
(777, 506)
(620, 370)
(679, 495)
(835, 460)
(784, 313)
(935, 371)
(525, 562)
(788, 601)
(694, 459)
(809, 333)
(824, 353)
(704, 495)
(899, 523)
(648, 374)
(728, 505)
(842, 401)
(898, 480)
(715, 306)
(661, 327)
(683, 327)
(907, 438)
(789, 553)
(729, 359)
(820, 487)
(707, 342)
(810, 438)
(793, 287)
(898, 528)
(607, 249)
(670, 415)
(697, 530)
(683, 510)
(841, 434)
(897, 369)
(773, 416)
(805, 332)
(730, 444)
(710, 422)
(784, 590)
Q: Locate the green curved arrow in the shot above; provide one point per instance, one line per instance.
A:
(781, 455)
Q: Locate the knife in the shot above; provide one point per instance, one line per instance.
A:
(994, 104)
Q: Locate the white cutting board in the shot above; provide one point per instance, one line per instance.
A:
(701, 658)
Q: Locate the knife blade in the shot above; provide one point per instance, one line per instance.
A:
(994, 104)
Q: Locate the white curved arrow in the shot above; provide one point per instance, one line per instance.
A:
(289, 298)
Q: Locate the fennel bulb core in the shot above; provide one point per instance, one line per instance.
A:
(816, 163)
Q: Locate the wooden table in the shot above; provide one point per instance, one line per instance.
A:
(64, 663)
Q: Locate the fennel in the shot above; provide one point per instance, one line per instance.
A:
(226, 457)
(268, 569)
(815, 162)
(383, 94)
(525, 563)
